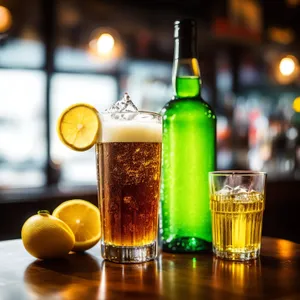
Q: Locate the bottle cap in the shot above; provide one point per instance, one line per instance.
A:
(185, 28)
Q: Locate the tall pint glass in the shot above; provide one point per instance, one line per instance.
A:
(128, 159)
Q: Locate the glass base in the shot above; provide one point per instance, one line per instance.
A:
(186, 245)
(238, 256)
(129, 255)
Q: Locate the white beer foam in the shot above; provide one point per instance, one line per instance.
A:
(131, 131)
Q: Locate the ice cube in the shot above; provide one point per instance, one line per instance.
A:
(226, 190)
(123, 105)
(239, 189)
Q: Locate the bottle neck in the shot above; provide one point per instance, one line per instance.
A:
(186, 73)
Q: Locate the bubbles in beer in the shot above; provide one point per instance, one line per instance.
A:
(130, 191)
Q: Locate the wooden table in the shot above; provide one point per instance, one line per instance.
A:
(276, 275)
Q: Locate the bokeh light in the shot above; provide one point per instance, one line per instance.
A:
(296, 105)
(281, 35)
(105, 44)
(293, 3)
(5, 19)
(286, 69)
(287, 66)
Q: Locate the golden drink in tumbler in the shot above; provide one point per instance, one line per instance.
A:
(129, 162)
(237, 214)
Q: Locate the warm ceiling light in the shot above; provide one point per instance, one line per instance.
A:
(281, 35)
(5, 19)
(293, 2)
(105, 44)
(296, 105)
(286, 69)
(287, 66)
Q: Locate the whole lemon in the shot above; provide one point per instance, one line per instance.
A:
(45, 236)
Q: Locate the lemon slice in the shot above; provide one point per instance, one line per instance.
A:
(84, 220)
(79, 126)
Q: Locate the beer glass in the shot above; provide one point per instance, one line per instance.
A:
(237, 202)
(128, 157)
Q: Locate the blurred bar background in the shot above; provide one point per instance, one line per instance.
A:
(56, 53)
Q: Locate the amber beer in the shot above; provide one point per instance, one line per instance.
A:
(129, 164)
(130, 173)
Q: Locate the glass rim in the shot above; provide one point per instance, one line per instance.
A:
(144, 112)
(237, 173)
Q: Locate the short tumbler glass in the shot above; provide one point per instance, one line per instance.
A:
(128, 157)
(237, 202)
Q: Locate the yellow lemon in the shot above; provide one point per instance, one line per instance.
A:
(79, 126)
(84, 220)
(45, 236)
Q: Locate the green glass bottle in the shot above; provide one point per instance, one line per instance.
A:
(189, 141)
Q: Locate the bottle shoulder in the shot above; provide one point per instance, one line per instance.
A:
(188, 106)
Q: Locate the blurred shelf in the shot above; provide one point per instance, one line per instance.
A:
(41, 194)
